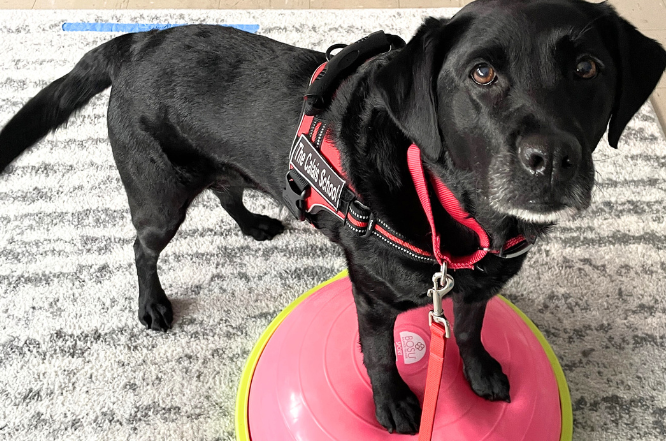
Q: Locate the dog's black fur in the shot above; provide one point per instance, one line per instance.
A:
(205, 107)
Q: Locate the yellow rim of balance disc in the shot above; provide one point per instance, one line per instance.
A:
(243, 396)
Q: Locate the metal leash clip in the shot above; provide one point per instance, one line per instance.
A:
(442, 284)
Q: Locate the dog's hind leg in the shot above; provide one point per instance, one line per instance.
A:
(258, 226)
(158, 197)
(154, 231)
(156, 218)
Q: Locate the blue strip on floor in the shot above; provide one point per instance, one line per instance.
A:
(140, 27)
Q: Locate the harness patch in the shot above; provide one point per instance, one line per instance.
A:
(317, 171)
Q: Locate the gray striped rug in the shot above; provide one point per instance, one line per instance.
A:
(76, 364)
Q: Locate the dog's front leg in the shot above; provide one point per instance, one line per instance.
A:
(396, 406)
(483, 372)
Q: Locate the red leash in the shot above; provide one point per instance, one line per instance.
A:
(439, 332)
(435, 366)
(440, 329)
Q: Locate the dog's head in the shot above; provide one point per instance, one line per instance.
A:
(517, 94)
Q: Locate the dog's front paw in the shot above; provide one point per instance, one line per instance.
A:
(398, 411)
(263, 228)
(155, 312)
(486, 378)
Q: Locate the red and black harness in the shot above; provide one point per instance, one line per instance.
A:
(316, 181)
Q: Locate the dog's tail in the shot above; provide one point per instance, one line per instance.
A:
(52, 106)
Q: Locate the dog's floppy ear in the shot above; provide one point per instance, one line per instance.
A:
(407, 86)
(640, 62)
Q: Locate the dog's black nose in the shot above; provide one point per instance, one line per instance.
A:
(549, 156)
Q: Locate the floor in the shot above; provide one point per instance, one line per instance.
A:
(648, 15)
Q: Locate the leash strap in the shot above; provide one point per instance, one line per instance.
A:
(435, 367)
(440, 330)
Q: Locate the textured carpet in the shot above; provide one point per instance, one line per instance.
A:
(76, 364)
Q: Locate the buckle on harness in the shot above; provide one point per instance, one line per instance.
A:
(293, 196)
(516, 251)
(371, 225)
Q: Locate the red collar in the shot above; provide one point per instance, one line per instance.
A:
(316, 181)
(458, 213)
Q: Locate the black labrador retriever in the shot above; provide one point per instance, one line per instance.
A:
(507, 101)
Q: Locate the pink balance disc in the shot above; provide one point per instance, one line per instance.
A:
(307, 382)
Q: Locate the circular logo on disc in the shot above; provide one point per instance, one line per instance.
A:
(411, 347)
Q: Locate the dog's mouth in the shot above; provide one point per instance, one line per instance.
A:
(539, 197)
(538, 213)
(555, 205)
(540, 205)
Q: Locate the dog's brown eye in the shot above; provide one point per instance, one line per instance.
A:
(586, 68)
(484, 74)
